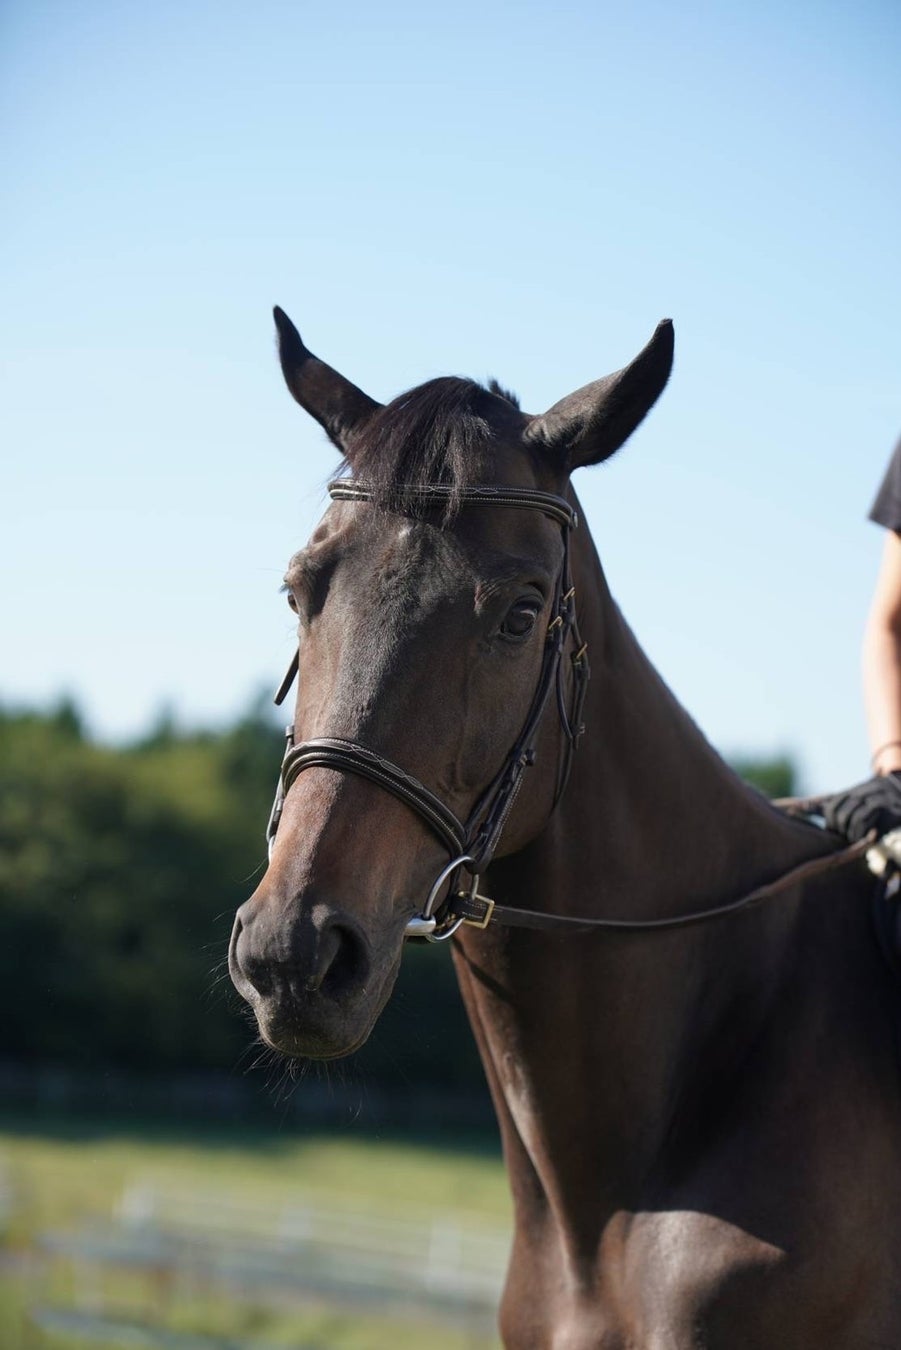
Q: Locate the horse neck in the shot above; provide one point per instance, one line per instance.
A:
(667, 824)
(652, 824)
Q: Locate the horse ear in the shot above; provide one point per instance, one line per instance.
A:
(337, 405)
(587, 426)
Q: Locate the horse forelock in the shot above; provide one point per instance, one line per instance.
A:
(440, 432)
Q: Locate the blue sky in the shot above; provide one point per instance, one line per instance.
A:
(493, 189)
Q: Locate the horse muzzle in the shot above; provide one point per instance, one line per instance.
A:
(313, 984)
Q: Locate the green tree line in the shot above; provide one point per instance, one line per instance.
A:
(120, 871)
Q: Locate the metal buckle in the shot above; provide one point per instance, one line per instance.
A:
(486, 919)
(473, 894)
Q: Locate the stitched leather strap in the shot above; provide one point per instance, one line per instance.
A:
(439, 494)
(331, 752)
(483, 913)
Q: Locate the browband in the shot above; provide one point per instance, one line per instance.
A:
(440, 494)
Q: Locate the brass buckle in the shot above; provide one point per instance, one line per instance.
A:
(486, 918)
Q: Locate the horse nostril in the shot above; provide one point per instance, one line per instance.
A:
(325, 956)
(343, 962)
(249, 972)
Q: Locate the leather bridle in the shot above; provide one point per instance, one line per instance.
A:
(470, 844)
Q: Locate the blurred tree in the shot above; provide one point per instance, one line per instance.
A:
(66, 719)
(775, 777)
(120, 871)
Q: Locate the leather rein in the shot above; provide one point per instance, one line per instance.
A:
(471, 844)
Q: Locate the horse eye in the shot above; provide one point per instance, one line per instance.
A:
(521, 619)
(292, 602)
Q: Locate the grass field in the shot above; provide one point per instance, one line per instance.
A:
(68, 1177)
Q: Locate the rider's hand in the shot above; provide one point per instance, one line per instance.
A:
(873, 805)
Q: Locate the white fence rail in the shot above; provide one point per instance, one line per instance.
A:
(451, 1254)
(98, 1331)
(447, 1267)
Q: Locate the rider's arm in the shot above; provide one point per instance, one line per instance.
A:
(882, 661)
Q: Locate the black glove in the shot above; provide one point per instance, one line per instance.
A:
(873, 805)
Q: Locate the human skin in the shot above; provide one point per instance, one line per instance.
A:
(882, 661)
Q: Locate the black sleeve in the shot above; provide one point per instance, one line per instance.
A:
(886, 509)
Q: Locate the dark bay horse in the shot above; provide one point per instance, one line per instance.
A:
(701, 1123)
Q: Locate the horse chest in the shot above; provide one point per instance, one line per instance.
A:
(682, 1280)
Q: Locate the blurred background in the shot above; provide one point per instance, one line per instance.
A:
(509, 190)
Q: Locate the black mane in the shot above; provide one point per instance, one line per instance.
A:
(439, 432)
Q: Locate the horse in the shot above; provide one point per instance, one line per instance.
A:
(687, 1028)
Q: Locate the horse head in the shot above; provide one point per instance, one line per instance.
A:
(424, 631)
